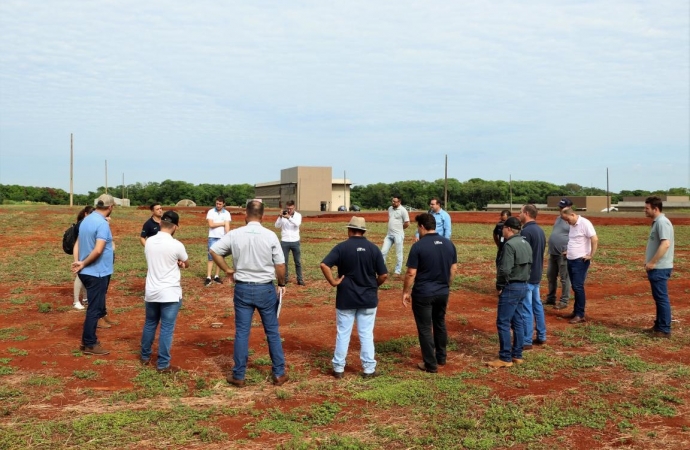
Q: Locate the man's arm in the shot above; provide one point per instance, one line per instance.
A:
(453, 269)
(594, 240)
(280, 274)
(94, 255)
(505, 266)
(381, 279)
(212, 224)
(220, 262)
(328, 274)
(407, 285)
(497, 239)
(664, 245)
(406, 224)
(142, 241)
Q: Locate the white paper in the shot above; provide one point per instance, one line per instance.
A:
(280, 302)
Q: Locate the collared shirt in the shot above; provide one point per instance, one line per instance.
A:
(218, 217)
(580, 238)
(255, 252)
(537, 240)
(662, 229)
(443, 224)
(432, 256)
(558, 240)
(94, 228)
(163, 276)
(515, 263)
(289, 227)
(396, 218)
(150, 228)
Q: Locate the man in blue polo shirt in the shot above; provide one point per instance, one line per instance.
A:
(94, 268)
(361, 270)
(443, 223)
(431, 265)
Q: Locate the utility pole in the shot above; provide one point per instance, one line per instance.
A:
(608, 193)
(71, 169)
(511, 191)
(123, 186)
(344, 190)
(106, 176)
(445, 186)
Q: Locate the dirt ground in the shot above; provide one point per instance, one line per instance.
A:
(308, 330)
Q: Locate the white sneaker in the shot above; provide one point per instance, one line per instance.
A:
(78, 306)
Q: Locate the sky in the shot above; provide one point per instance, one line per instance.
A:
(232, 92)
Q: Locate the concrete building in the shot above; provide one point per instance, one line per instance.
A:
(670, 202)
(311, 188)
(591, 203)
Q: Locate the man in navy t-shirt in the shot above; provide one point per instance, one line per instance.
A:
(361, 270)
(431, 265)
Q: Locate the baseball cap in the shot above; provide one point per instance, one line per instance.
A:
(105, 200)
(513, 222)
(357, 223)
(172, 217)
(565, 202)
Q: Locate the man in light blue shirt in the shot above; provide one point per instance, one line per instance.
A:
(443, 224)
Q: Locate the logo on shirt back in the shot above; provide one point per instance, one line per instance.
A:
(361, 249)
(438, 242)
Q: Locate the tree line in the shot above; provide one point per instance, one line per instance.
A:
(467, 195)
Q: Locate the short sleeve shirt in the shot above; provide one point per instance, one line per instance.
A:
(150, 228)
(94, 228)
(396, 218)
(217, 217)
(163, 277)
(662, 229)
(558, 240)
(360, 262)
(432, 256)
(579, 238)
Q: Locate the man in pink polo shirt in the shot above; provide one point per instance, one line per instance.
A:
(582, 245)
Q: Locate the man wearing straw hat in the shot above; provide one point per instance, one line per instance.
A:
(361, 270)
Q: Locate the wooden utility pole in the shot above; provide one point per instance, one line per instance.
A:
(511, 191)
(71, 169)
(608, 193)
(445, 186)
(344, 190)
(106, 176)
(123, 185)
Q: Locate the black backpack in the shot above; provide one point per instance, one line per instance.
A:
(69, 238)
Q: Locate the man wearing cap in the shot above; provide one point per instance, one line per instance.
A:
(659, 264)
(165, 256)
(258, 260)
(582, 246)
(532, 308)
(289, 222)
(558, 264)
(361, 270)
(218, 224)
(152, 225)
(498, 232)
(94, 268)
(443, 223)
(398, 221)
(514, 267)
(431, 266)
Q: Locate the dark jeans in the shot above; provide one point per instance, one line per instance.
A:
(558, 266)
(96, 289)
(508, 316)
(296, 254)
(658, 279)
(262, 297)
(430, 313)
(577, 270)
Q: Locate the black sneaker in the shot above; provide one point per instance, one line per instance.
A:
(217, 279)
(208, 282)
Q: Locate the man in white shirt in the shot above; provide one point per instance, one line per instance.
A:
(582, 246)
(257, 260)
(218, 224)
(165, 256)
(289, 222)
(398, 221)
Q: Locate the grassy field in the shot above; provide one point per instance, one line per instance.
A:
(604, 384)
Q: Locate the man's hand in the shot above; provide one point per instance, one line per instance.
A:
(406, 300)
(280, 291)
(231, 274)
(649, 266)
(337, 281)
(77, 266)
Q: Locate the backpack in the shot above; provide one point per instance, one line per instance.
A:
(69, 238)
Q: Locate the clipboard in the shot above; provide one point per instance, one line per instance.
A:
(280, 302)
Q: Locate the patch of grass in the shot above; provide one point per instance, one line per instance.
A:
(44, 308)
(6, 370)
(399, 345)
(100, 362)
(85, 374)
(17, 352)
(43, 380)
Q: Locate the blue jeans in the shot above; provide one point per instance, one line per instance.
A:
(658, 279)
(508, 316)
(294, 246)
(430, 314)
(345, 318)
(96, 289)
(388, 241)
(532, 312)
(263, 298)
(166, 314)
(577, 271)
(211, 241)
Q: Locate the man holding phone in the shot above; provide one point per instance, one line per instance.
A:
(289, 222)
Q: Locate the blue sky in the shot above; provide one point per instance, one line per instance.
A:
(232, 92)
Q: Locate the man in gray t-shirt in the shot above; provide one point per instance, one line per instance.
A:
(398, 220)
(659, 264)
(558, 264)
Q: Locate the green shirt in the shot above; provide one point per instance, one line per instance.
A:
(515, 263)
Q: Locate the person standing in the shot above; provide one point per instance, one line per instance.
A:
(153, 225)
(558, 263)
(443, 223)
(532, 308)
(258, 261)
(165, 256)
(78, 285)
(431, 266)
(361, 270)
(582, 246)
(218, 225)
(398, 221)
(289, 222)
(514, 267)
(659, 264)
(94, 268)
(498, 232)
